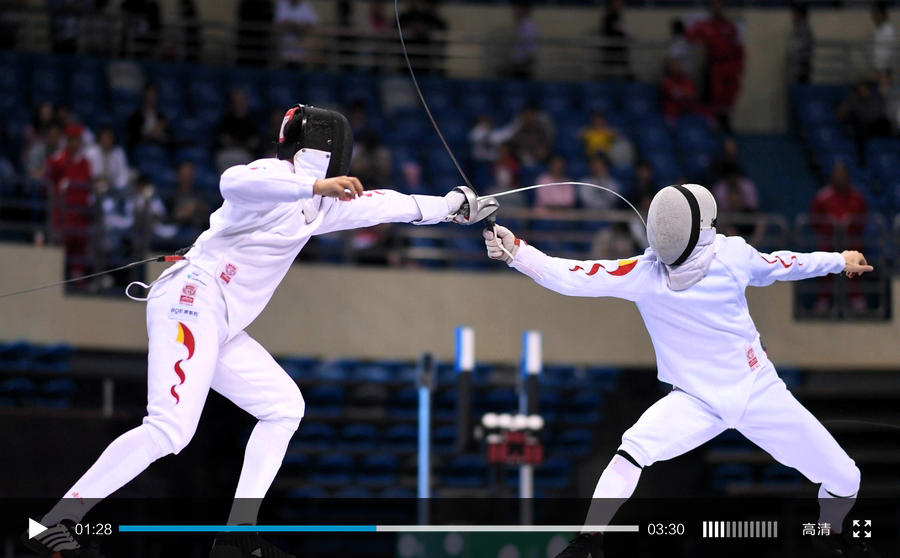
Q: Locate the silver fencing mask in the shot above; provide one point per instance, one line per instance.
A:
(676, 217)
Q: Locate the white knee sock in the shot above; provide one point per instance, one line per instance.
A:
(616, 484)
(834, 509)
(125, 458)
(262, 459)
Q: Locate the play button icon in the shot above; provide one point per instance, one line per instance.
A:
(34, 528)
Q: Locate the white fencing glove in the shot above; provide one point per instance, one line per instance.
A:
(504, 247)
(455, 200)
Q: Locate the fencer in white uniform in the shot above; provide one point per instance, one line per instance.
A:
(689, 289)
(197, 311)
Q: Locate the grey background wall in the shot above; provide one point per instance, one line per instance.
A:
(385, 313)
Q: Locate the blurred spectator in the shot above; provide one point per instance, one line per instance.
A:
(237, 140)
(377, 19)
(255, 18)
(371, 162)
(190, 211)
(839, 202)
(348, 38)
(864, 115)
(44, 115)
(727, 159)
(505, 174)
(644, 187)
(524, 51)
(107, 160)
(484, 140)
(681, 49)
(70, 180)
(883, 39)
(592, 198)
(147, 123)
(294, 19)
(65, 23)
(614, 32)
(598, 136)
(838, 215)
(66, 118)
(191, 34)
(358, 116)
(146, 212)
(736, 194)
(141, 29)
(411, 178)
(800, 45)
(531, 133)
(110, 228)
(420, 23)
(562, 196)
(679, 92)
(724, 49)
(42, 148)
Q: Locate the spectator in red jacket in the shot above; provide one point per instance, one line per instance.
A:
(70, 180)
(721, 40)
(839, 203)
(679, 92)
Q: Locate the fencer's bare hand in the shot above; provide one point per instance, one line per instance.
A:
(344, 188)
(855, 263)
(501, 247)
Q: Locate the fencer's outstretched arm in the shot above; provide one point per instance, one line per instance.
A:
(783, 265)
(264, 183)
(387, 206)
(592, 278)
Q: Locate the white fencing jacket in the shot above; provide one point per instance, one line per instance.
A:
(269, 214)
(705, 341)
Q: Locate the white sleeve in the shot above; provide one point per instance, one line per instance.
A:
(624, 279)
(382, 206)
(262, 184)
(784, 265)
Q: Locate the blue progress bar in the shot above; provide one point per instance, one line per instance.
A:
(247, 528)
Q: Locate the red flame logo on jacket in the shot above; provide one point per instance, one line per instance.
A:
(784, 264)
(186, 338)
(625, 267)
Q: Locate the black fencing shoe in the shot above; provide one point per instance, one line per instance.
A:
(245, 545)
(60, 541)
(585, 545)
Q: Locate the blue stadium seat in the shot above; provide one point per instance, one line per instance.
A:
(296, 464)
(206, 91)
(299, 367)
(816, 111)
(398, 493)
(404, 403)
(465, 471)
(326, 400)
(576, 442)
(199, 156)
(499, 401)
(401, 437)
(52, 358)
(124, 104)
(359, 436)
(444, 406)
(730, 475)
(18, 387)
(332, 469)
(16, 355)
(514, 94)
(48, 80)
(379, 469)
(11, 77)
(550, 403)
(602, 377)
(375, 373)
(782, 476)
(554, 474)
(354, 493)
(321, 90)
(665, 166)
(478, 103)
(315, 435)
(583, 408)
(443, 439)
(731, 440)
(283, 89)
(605, 96)
(307, 493)
(188, 130)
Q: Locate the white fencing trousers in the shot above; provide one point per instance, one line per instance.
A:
(189, 354)
(773, 420)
